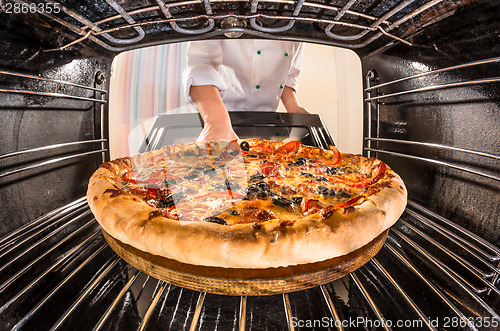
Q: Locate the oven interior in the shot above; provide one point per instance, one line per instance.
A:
(431, 111)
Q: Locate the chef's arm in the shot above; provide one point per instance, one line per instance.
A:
(217, 122)
(291, 102)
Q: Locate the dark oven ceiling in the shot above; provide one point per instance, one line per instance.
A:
(115, 26)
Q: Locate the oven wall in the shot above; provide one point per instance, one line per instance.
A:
(36, 114)
(465, 115)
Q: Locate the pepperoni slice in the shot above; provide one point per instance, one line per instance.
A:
(271, 169)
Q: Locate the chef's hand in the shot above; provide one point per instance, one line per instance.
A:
(291, 102)
(217, 122)
(216, 132)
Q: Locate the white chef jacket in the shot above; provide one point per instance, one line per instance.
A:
(250, 74)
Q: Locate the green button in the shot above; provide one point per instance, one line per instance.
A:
(286, 54)
(258, 52)
(257, 87)
(281, 86)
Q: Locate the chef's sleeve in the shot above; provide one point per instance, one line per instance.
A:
(203, 61)
(293, 73)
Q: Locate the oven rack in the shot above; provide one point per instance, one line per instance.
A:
(429, 267)
(362, 27)
(52, 155)
(98, 97)
(374, 94)
(7, 171)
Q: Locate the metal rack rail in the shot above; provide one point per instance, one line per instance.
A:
(99, 93)
(375, 27)
(115, 288)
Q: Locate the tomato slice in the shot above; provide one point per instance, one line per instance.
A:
(129, 177)
(153, 193)
(310, 205)
(288, 148)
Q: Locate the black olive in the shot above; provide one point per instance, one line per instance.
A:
(256, 177)
(281, 201)
(124, 183)
(306, 174)
(252, 156)
(332, 170)
(190, 176)
(252, 189)
(321, 178)
(210, 172)
(322, 189)
(297, 200)
(167, 202)
(245, 146)
(222, 166)
(263, 186)
(169, 182)
(342, 194)
(215, 219)
(234, 212)
(262, 194)
(300, 161)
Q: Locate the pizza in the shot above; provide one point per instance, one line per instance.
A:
(246, 204)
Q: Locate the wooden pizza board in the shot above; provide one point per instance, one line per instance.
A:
(232, 281)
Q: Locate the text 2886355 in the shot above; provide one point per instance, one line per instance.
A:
(10, 7)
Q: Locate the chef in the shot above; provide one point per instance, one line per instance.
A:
(240, 75)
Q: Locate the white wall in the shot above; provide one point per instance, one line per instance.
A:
(330, 84)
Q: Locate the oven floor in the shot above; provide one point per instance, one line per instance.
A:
(57, 272)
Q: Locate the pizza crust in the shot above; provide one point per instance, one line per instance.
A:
(310, 239)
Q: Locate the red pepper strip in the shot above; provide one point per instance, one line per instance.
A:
(348, 202)
(220, 194)
(289, 147)
(375, 179)
(336, 158)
